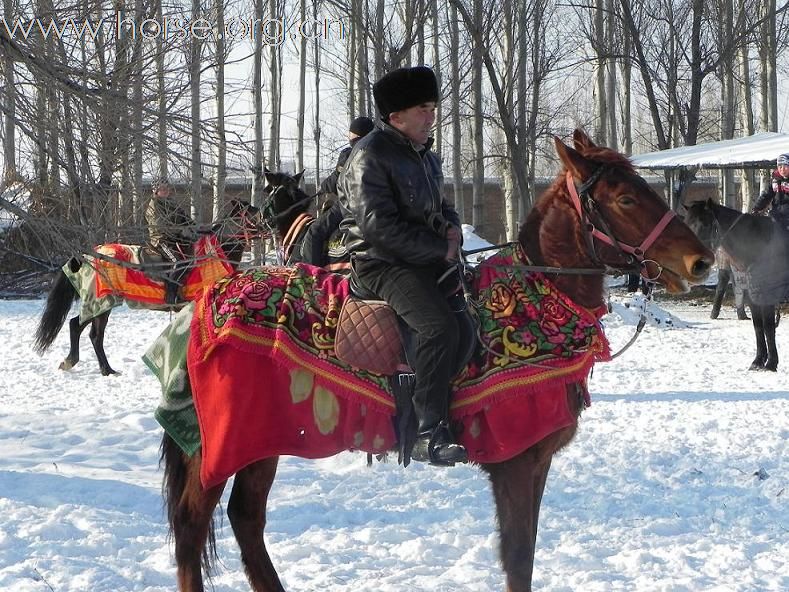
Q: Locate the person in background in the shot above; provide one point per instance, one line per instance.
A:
(403, 235)
(324, 244)
(171, 234)
(776, 196)
(359, 128)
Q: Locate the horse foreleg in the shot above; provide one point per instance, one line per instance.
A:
(769, 324)
(247, 512)
(518, 485)
(191, 523)
(757, 317)
(75, 331)
(97, 329)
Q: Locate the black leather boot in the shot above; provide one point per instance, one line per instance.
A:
(438, 447)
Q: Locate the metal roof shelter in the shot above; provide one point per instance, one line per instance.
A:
(758, 151)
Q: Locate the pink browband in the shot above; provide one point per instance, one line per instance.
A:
(638, 251)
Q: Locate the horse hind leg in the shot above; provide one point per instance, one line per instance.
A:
(247, 512)
(190, 511)
(75, 332)
(757, 317)
(770, 324)
(97, 330)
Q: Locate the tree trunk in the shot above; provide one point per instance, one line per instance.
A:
(478, 192)
(161, 127)
(610, 76)
(747, 178)
(9, 109)
(316, 135)
(727, 112)
(220, 174)
(275, 73)
(439, 136)
(258, 251)
(302, 93)
(195, 165)
(454, 61)
(600, 86)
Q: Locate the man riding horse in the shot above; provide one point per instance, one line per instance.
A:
(171, 234)
(403, 235)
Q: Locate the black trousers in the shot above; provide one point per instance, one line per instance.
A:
(413, 294)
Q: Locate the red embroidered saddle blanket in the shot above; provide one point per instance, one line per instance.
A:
(113, 277)
(265, 380)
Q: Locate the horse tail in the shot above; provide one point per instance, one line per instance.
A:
(59, 301)
(176, 473)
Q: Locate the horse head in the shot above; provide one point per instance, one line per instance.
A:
(743, 236)
(601, 208)
(700, 218)
(237, 226)
(285, 200)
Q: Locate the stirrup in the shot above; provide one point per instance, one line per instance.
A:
(430, 448)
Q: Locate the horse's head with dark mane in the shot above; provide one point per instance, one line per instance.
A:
(700, 218)
(609, 213)
(744, 236)
(284, 200)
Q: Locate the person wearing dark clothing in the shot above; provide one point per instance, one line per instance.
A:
(359, 128)
(402, 235)
(324, 243)
(776, 197)
(171, 234)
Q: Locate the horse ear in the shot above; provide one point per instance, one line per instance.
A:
(297, 177)
(573, 160)
(581, 141)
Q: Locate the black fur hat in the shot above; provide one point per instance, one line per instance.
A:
(404, 88)
(361, 126)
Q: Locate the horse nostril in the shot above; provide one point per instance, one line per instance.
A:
(701, 267)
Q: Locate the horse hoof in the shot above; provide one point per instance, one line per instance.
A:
(756, 366)
(65, 365)
(771, 367)
(110, 372)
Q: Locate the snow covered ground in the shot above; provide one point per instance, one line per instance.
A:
(677, 480)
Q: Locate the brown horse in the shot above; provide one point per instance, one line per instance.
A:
(596, 187)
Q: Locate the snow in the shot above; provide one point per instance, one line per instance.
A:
(677, 480)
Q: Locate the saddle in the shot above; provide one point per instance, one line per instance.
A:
(370, 336)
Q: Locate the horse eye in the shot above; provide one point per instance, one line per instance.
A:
(625, 200)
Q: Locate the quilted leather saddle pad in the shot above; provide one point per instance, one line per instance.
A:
(368, 336)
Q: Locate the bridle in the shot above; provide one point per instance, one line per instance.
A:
(592, 218)
(250, 229)
(268, 211)
(587, 209)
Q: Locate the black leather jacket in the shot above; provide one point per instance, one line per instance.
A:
(392, 200)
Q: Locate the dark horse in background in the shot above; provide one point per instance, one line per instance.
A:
(614, 197)
(285, 212)
(233, 231)
(759, 245)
